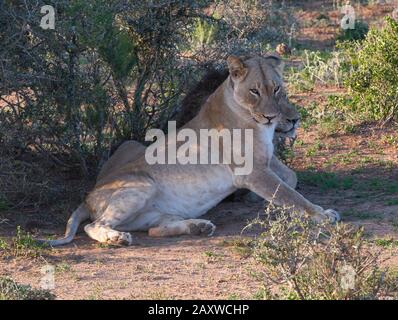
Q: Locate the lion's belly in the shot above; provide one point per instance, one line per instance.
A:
(192, 195)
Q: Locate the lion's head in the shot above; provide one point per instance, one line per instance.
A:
(290, 119)
(255, 87)
(288, 122)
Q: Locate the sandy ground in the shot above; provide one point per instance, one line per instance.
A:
(171, 268)
(168, 268)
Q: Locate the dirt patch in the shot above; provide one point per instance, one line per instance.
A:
(173, 268)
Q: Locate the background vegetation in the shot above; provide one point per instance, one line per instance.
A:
(112, 69)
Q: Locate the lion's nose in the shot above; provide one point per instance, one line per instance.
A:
(269, 118)
(293, 121)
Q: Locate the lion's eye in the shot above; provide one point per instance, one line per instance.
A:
(255, 91)
(276, 89)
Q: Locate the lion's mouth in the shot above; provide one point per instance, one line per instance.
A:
(285, 132)
(262, 123)
(264, 120)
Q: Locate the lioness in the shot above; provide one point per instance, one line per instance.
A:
(197, 96)
(167, 200)
(190, 107)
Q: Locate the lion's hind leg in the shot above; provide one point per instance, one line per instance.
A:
(105, 234)
(176, 226)
(123, 208)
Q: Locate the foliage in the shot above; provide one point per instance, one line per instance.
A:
(22, 246)
(110, 70)
(317, 261)
(11, 290)
(284, 148)
(358, 33)
(373, 81)
(321, 68)
(107, 72)
(203, 33)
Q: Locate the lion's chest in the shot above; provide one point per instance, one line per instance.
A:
(264, 147)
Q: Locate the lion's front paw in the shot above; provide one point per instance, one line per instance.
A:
(207, 228)
(332, 215)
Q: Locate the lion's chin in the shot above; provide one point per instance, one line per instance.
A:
(287, 133)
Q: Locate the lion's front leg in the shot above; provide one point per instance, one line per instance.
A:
(268, 185)
(284, 172)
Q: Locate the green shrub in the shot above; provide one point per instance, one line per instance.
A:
(373, 81)
(111, 69)
(358, 33)
(302, 260)
(3, 245)
(11, 290)
(3, 203)
(23, 245)
(203, 33)
(106, 73)
(323, 68)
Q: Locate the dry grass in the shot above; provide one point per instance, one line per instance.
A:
(318, 261)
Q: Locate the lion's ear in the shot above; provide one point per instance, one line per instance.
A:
(275, 60)
(237, 68)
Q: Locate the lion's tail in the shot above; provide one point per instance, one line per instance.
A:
(77, 217)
